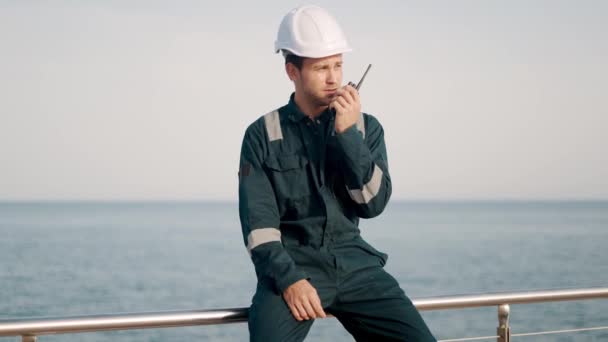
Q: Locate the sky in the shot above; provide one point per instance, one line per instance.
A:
(149, 100)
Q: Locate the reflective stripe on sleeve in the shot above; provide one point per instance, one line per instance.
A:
(370, 190)
(273, 126)
(261, 236)
(361, 125)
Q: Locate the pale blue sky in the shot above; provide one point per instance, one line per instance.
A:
(150, 99)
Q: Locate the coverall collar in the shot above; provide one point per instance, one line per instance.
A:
(295, 114)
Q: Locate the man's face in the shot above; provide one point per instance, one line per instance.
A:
(319, 78)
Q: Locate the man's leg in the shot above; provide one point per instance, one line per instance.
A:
(271, 321)
(372, 307)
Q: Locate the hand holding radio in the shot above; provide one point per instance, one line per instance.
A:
(348, 108)
(347, 105)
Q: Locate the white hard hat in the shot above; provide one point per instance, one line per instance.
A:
(310, 31)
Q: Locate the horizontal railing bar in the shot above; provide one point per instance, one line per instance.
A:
(76, 324)
(560, 331)
(491, 299)
(470, 339)
(44, 326)
(525, 334)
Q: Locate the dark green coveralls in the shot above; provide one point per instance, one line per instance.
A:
(302, 190)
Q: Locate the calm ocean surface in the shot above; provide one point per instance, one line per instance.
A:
(81, 258)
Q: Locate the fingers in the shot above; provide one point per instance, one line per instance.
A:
(303, 301)
(342, 93)
(310, 312)
(349, 92)
(307, 308)
(302, 310)
(298, 311)
(338, 107)
(342, 101)
(295, 312)
(347, 96)
(316, 305)
(353, 91)
(346, 100)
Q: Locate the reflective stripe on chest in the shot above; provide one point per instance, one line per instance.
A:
(272, 122)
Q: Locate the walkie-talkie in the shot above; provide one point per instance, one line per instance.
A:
(356, 86)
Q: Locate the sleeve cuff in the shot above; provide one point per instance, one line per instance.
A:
(286, 281)
(350, 141)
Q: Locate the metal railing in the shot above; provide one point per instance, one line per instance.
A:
(30, 328)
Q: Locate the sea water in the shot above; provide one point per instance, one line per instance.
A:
(85, 258)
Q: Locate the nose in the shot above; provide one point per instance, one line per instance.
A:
(332, 76)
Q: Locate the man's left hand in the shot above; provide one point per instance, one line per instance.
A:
(348, 107)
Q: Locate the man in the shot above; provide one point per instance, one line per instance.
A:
(308, 171)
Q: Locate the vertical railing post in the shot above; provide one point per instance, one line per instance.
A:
(503, 331)
(28, 338)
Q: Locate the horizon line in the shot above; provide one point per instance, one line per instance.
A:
(224, 200)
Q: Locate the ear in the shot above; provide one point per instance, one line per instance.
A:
(292, 72)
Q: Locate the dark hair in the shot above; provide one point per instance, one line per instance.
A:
(297, 61)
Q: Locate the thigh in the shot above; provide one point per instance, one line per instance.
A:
(372, 307)
(271, 320)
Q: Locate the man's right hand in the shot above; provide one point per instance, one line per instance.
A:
(303, 301)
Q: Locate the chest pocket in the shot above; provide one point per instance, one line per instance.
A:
(290, 175)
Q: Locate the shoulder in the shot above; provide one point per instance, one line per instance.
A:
(370, 120)
(369, 126)
(267, 128)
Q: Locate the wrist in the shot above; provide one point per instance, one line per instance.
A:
(340, 129)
